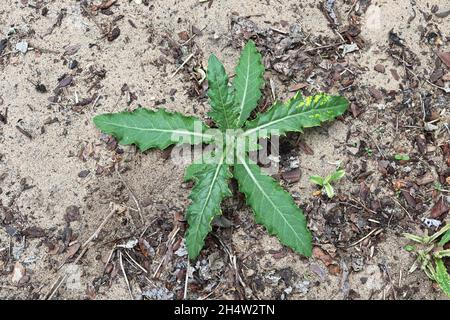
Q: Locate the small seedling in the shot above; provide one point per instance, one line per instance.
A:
(325, 183)
(368, 151)
(430, 254)
(231, 106)
(401, 157)
(438, 186)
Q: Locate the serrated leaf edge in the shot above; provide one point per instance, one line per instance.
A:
(286, 105)
(276, 186)
(98, 119)
(242, 118)
(216, 212)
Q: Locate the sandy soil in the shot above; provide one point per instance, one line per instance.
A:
(57, 176)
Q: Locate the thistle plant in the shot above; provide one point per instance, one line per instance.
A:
(430, 254)
(325, 183)
(235, 136)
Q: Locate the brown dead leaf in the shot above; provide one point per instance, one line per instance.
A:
(90, 292)
(425, 179)
(322, 255)
(72, 213)
(183, 35)
(104, 5)
(409, 199)
(439, 208)
(356, 110)
(334, 269)
(297, 86)
(445, 57)
(305, 148)
(374, 92)
(54, 250)
(34, 232)
(292, 176)
(72, 250)
(399, 184)
(146, 249)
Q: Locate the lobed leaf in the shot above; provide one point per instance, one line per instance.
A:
(296, 114)
(221, 95)
(248, 82)
(152, 129)
(211, 187)
(273, 207)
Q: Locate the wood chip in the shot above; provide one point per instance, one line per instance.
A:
(72, 250)
(297, 86)
(65, 82)
(374, 92)
(34, 232)
(379, 68)
(292, 176)
(445, 57)
(409, 199)
(395, 74)
(322, 255)
(439, 208)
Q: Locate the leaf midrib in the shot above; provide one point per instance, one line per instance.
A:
(244, 96)
(255, 181)
(216, 174)
(223, 104)
(246, 133)
(191, 133)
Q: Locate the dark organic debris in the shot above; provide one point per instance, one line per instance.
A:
(445, 57)
(84, 102)
(328, 6)
(41, 88)
(106, 4)
(362, 6)
(379, 68)
(3, 44)
(73, 64)
(72, 213)
(34, 232)
(278, 49)
(442, 14)
(71, 50)
(439, 208)
(395, 39)
(114, 34)
(24, 132)
(65, 81)
(83, 173)
(4, 116)
(292, 176)
(72, 250)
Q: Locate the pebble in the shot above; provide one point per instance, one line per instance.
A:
(430, 127)
(18, 273)
(83, 174)
(73, 64)
(22, 46)
(379, 68)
